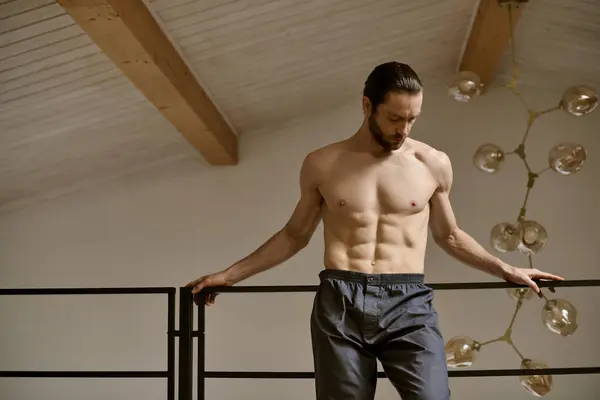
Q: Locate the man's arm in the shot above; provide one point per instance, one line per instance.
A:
(288, 241)
(458, 243)
(296, 233)
(446, 231)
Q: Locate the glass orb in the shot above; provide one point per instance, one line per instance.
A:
(505, 237)
(579, 100)
(521, 292)
(537, 385)
(465, 86)
(560, 317)
(488, 158)
(461, 351)
(533, 237)
(567, 158)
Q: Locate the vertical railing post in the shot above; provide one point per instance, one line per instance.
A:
(185, 343)
(201, 350)
(171, 345)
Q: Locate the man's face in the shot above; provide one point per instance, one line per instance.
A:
(391, 123)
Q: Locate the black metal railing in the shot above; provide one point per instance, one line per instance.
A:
(169, 373)
(187, 334)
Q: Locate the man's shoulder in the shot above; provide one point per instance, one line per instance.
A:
(323, 156)
(437, 161)
(318, 162)
(431, 156)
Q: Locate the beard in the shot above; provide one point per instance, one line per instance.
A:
(379, 137)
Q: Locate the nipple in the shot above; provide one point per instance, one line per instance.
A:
(342, 202)
(412, 203)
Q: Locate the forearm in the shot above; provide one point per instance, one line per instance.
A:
(466, 249)
(279, 248)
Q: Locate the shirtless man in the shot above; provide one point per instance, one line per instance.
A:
(377, 193)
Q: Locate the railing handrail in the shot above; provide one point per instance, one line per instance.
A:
(87, 291)
(280, 288)
(435, 286)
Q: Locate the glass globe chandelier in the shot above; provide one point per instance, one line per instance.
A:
(526, 236)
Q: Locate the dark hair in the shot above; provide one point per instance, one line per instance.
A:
(391, 77)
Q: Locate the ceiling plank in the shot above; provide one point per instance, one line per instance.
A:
(128, 34)
(489, 38)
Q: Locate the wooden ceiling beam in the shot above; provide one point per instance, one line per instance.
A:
(489, 38)
(128, 34)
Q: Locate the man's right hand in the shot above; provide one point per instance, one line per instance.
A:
(216, 279)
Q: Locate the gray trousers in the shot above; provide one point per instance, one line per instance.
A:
(358, 319)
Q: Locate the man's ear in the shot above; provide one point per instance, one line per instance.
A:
(367, 107)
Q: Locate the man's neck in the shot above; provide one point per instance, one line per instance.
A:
(363, 141)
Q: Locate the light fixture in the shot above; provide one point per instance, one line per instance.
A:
(524, 235)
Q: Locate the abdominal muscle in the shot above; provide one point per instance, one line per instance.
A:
(376, 244)
(376, 210)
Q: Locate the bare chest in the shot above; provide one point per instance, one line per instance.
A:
(385, 187)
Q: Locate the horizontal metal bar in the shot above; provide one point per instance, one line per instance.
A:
(521, 372)
(84, 374)
(78, 291)
(436, 286)
(451, 373)
(177, 333)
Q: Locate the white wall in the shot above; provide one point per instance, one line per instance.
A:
(167, 226)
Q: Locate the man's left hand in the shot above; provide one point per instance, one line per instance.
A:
(525, 276)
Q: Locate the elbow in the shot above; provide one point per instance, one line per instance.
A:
(448, 239)
(300, 244)
(296, 240)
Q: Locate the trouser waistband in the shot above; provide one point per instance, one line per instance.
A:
(371, 279)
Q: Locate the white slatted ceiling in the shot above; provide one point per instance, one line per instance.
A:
(68, 116)
(267, 61)
(558, 44)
